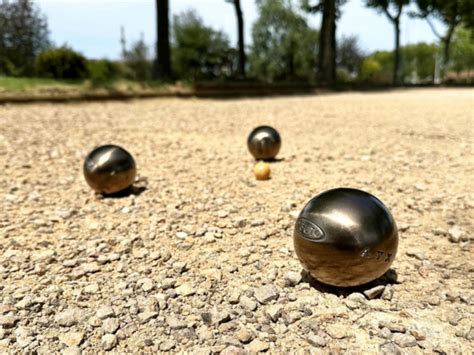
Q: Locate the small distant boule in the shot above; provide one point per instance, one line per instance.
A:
(264, 143)
(262, 171)
(345, 237)
(109, 169)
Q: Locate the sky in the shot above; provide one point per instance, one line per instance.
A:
(92, 27)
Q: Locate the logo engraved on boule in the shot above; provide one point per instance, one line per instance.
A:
(308, 229)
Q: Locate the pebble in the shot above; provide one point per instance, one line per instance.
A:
(185, 290)
(374, 292)
(244, 335)
(248, 303)
(316, 341)
(175, 323)
(167, 345)
(266, 294)
(146, 316)
(105, 312)
(8, 321)
(233, 350)
(72, 339)
(455, 234)
(293, 278)
(66, 318)
(257, 346)
(404, 340)
(110, 325)
(215, 316)
(108, 341)
(274, 312)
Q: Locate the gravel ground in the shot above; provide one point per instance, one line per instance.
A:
(200, 258)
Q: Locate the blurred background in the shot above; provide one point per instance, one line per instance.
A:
(246, 45)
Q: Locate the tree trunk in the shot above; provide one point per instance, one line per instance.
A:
(396, 62)
(240, 27)
(327, 44)
(447, 43)
(163, 58)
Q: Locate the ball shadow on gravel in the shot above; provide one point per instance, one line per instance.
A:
(132, 190)
(389, 278)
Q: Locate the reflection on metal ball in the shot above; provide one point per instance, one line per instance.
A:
(345, 237)
(264, 143)
(109, 169)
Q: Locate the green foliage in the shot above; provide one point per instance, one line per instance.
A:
(138, 64)
(23, 35)
(104, 71)
(61, 63)
(284, 46)
(462, 57)
(199, 52)
(419, 61)
(371, 71)
(349, 55)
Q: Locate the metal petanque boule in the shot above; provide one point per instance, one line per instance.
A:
(264, 143)
(109, 169)
(345, 237)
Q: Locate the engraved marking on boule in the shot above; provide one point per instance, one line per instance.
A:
(309, 230)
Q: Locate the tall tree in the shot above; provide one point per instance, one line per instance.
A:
(284, 46)
(23, 35)
(393, 9)
(326, 73)
(240, 30)
(163, 52)
(450, 12)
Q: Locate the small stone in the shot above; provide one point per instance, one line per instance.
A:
(390, 349)
(248, 303)
(105, 312)
(293, 317)
(316, 341)
(294, 214)
(147, 284)
(404, 340)
(274, 312)
(293, 278)
(74, 350)
(233, 350)
(374, 292)
(181, 235)
(8, 321)
(337, 331)
(110, 325)
(385, 333)
(215, 316)
(72, 338)
(146, 316)
(67, 318)
(387, 293)
(175, 323)
(108, 341)
(257, 346)
(234, 296)
(167, 345)
(455, 234)
(91, 289)
(185, 290)
(266, 294)
(244, 335)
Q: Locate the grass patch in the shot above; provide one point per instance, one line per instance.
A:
(25, 84)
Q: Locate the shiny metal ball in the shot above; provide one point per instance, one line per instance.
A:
(109, 169)
(345, 237)
(264, 143)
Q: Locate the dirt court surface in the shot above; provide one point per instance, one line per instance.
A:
(202, 260)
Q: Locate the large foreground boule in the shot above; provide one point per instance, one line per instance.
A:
(109, 169)
(264, 143)
(345, 237)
